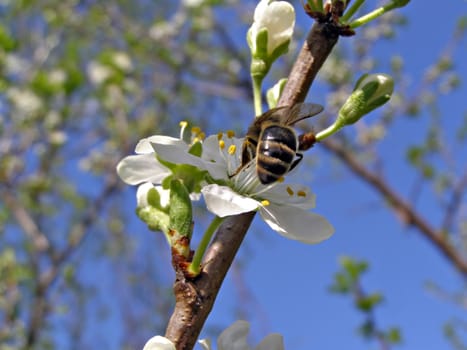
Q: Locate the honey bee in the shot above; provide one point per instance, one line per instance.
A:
(274, 143)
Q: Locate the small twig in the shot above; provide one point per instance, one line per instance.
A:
(26, 222)
(405, 212)
(454, 204)
(46, 278)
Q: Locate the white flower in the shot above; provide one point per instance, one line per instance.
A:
(192, 3)
(159, 343)
(26, 101)
(285, 208)
(144, 167)
(234, 338)
(122, 61)
(98, 73)
(228, 189)
(275, 17)
(145, 170)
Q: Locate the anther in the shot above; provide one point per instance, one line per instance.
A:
(265, 203)
(289, 191)
(301, 193)
(232, 149)
(221, 144)
(230, 134)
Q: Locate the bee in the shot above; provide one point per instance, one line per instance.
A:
(274, 143)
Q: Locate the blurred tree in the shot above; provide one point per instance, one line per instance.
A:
(82, 81)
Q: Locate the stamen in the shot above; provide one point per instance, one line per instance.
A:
(230, 134)
(183, 124)
(201, 135)
(232, 149)
(219, 135)
(265, 203)
(301, 193)
(289, 191)
(221, 144)
(195, 130)
(281, 179)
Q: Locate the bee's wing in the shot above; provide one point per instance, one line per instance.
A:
(300, 111)
(287, 115)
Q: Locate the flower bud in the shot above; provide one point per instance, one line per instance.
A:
(274, 93)
(370, 92)
(270, 34)
(400, 3)
(153, 206)
(180, 212)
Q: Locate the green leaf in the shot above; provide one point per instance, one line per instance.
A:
(261, 45)
(7, 42)
(394, 335)
(43, 85)
(191, 176)
(279, 51)
(196, 149)
(367, 329)
(341, 284)
(367, 303)
(353, 267)
(156, 219)
(415, 154)
(181, 215)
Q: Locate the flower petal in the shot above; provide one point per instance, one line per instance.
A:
(179, 155)
(279, 19)
(141, 168)
(297, 224)
(223, 201)
(144, 145)
(159, 343)
(213, 154)
(211, 150)
(205, 343)
(291, 195)
(273, 341)
(142, 194)
(234, 337)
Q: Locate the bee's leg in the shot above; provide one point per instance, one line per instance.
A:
(296, 161)
(306, 141)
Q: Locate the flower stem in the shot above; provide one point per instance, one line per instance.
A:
(373, 15)
(257, 82)
(332, 129)
(195, 265)
(351, 11)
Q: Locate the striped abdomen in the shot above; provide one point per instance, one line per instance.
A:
(276, 151)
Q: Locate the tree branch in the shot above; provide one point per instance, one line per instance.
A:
(405, 212)
(195, 299)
